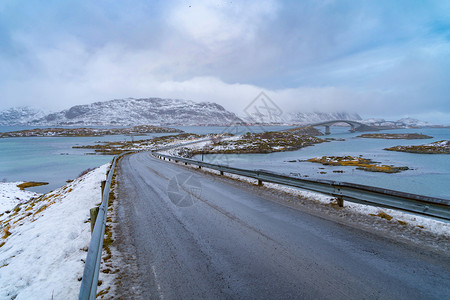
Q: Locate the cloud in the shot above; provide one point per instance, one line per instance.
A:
(213, 23)
(389, 59)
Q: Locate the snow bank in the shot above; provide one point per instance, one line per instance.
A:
(11, 195)
(44, 241)
(425, 223)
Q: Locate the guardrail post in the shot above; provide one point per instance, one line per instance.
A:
(103, 183)
(260, 182)
(185, 163)
(199, 167)
(221, 172)
(93, 213)
(340, 201)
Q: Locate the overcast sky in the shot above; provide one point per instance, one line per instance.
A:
(378, 58)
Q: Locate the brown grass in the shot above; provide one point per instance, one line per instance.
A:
(28, 184)
(383, 215)
(103, 292)
(6, 231)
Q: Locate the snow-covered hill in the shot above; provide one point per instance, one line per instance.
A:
(155, 111)
(19, 116)
(316, 117)
(300, 118)
(402, 123)
(44, 239)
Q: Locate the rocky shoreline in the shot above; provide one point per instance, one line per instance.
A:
(439, 147)
(85, 132)
(394, 136)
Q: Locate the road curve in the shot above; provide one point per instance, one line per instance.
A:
(232, 243)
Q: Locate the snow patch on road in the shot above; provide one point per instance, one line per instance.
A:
(44, 240)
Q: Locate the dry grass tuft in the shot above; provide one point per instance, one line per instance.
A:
(383, 215)
(103, 292)
(6, 231)
(25, 185)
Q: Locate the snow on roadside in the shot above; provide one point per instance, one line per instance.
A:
(11, 195)
(197, 144)
(403, 218)
(43, 242)
(175, 151)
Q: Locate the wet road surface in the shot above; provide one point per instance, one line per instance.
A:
(196, 236)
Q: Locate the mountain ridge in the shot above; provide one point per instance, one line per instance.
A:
(131, 111)
(169, 112)
(19, 115)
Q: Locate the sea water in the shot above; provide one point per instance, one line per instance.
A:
(53, 160)
(429, 174)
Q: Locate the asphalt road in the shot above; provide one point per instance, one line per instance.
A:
(231, 243)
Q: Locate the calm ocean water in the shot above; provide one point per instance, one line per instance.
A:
(429, 174)
(53, 160)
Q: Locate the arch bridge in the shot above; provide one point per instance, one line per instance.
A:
(355, 126)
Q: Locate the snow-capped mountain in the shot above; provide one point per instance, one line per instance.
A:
(19, 116)
(316, 117)
(153, 111)
(413, 122)
(300, 118)
(404, 122)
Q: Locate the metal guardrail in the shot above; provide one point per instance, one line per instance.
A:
(88, 289)
(424, 205)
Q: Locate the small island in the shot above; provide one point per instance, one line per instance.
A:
(84, 132)
(358, 162)
(395, 136)
(439, 147)
(265, 142)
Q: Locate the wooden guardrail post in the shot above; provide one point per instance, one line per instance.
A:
(340, 201)
(260, 182)
(103, 183)
(93, 213)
